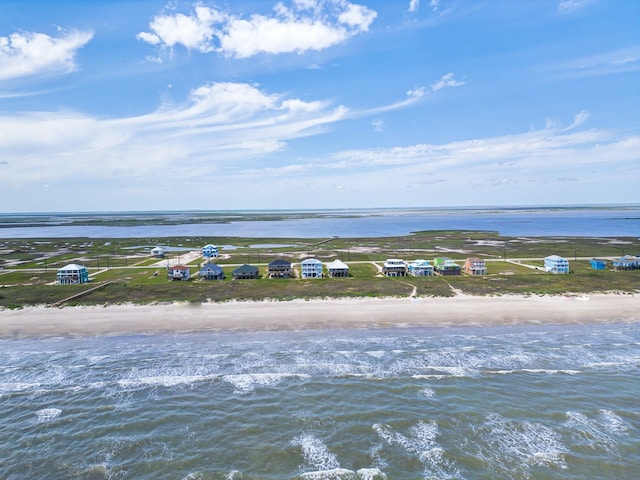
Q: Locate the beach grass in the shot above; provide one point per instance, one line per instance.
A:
(514, 267)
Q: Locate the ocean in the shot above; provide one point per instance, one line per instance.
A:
(528, 402)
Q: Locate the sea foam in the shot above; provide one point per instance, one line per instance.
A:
(48, 414)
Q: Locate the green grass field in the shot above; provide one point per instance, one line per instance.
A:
(28, 267)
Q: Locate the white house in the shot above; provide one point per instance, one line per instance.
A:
(394, 267)
(338, 268)
(178, 272)
(556, 264)
(157, 252)
(311, 268)
(209, 251)
(420, 268)
(72, 274)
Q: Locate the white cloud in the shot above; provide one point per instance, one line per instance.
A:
(27, 54)
(306, 25)
(416, 92)
(446, 81)
(413, 5)
(194, 31)
(569, 6)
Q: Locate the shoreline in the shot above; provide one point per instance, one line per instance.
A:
(320, 314)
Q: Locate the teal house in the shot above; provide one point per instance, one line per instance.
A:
(72, 274)
(598, 264)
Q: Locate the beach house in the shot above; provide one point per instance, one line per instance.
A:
(556, 264)
(420, 268)
(394, 267)
(626, 263)
(72, 274)
(279, 269)
(475, 266)
(245, 272)
(157, 252)
(311, 268)
(598, 264)
(211, 271)
(209, 251)
(338, 268)
(179, 272)
(446, 266)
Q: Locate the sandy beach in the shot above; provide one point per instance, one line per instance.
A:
(461, 310)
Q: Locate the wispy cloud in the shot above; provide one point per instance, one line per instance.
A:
(413, 5)
(579, 119)
(27, 54)
(606, 63)
(532, 156)
(305, 25)
(220, 123)
(570, 6)
(447, 81)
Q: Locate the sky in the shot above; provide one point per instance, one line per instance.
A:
(137, 105)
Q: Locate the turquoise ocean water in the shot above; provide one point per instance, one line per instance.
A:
(552, 402)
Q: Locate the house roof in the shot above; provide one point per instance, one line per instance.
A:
(211, 267)
(209, 246)
(420, 263)
(245, 269)
(337, 264)
(627, 259)
(280, 262)
(73, 266)
(554, 258)
(179, 267)
(311, 261)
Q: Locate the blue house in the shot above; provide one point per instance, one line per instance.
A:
(211, 271)
(311, 268)
(245, 271)
(556, 264)
(420, 268)
(598, 264)
(627, 263)
(209, 251)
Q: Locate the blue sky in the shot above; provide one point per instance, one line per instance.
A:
(156, 105)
